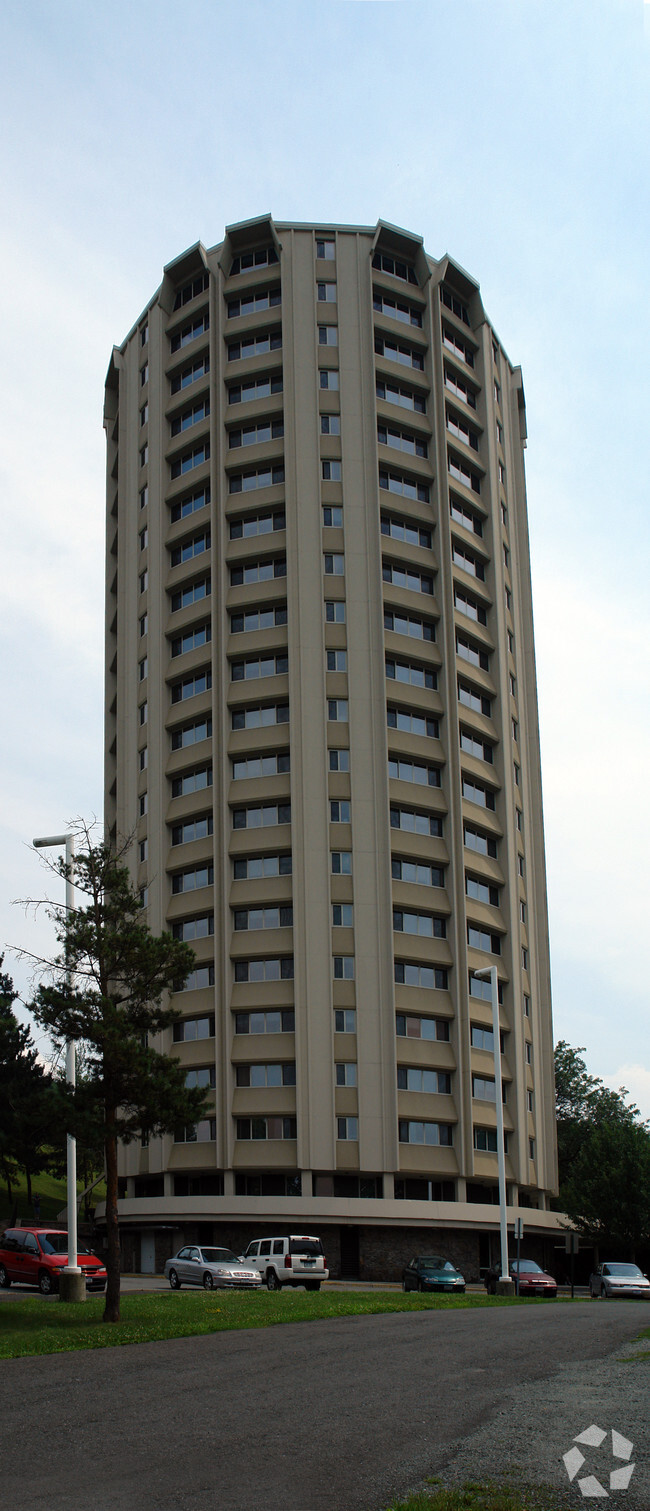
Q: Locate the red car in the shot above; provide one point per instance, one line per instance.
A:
(533, 1281)
(34, 1256)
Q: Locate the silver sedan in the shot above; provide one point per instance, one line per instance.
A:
(616, 1279)
(211, 1268)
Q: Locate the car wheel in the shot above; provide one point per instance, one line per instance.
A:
(45, 1284)
(174, 1281)
(312, 1285)
(4, 1278)
(272, 1282)
(208, 1282)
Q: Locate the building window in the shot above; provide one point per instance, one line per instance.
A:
(328, 335)
(418, 872)
(264, 570)
(455, 304)
(334, 564)
(407, 530)
(459, 427)
(196, 370)
(396, 268)
(459, 387)
(144, 496)
(481, 891)
(400, 482)
(341, 863)
(189, 332)
(395, 393)
(255, 667)
(200, 927)
(396, 309)
(326, 293)
(339, 760)
(407, 577)
(409, 1027)
(266, 1128)
(267, 1184)
(197, 980)
(479, 939)
(345, 1020)
(190, 504)
(188, 1029)
(520, 864)
(395, 351)
(283, 1074)
(260, 716)
(193, 593)
(273, 1022)
(273, 764)
(144, 334)
(191, 459)
(262, 257)
(332, 517)
(478, 840)
(342, 915)
(411, 673)
(255, 433)
(346, 1073)
(412, 1078)
(191, 829)
(190, 687)
(526, 1006)
(204, 1076)
(483, 989)
(142, 761)
(328, 378)
(475, 792)
(194, 780)
(192, 880)
(335, 612)
(471, 651)
(484, 1089)
(337, 661)
(260, 477)
(432, 977)
(411, 1132)
(409, 624)
(192, 734)
(263, 918)
(464, 516)
(253, 302)
(343, 966)
(261, 816)
(471, 697)
(192, 290)
(455, 344)
(203, 1132)
(257, 619)
(255, 388)
(142, 849)
(190, 417)
(143, 713)
(524, 958)
(339, 811)
(427, 925)
(463, 472)
(331, 471)
(330, 424)
(200, 635)
(409, 722)
(413, 821)
(483, 1038)
(401, 440)
(529, 1101)
(254, 346)
(143, 624)
(413, 771)
(347, 1128)
(485, 1141)
(265, 970)
(325, 249)
(479, 748)
(467, 561)
(466, 604)
(143, 803)
(256, 867)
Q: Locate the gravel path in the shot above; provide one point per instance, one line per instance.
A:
(534, 1427)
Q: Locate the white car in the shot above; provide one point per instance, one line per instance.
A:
(615, 1279)
(294, 1260)
(211, 1268)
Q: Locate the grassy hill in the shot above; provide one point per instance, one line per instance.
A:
(53, 1199)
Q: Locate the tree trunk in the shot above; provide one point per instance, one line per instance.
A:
(28, 1178)
(112, 1308)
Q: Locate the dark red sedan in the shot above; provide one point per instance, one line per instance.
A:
(34, 1256)
(533, 1281)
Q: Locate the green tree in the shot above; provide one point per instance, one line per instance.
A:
(105, 991)
(603, 1155)
(29, 1108)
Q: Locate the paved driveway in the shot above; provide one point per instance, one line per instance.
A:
(325, 1416)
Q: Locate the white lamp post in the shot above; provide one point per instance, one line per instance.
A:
(75, 1289)
(489, 972)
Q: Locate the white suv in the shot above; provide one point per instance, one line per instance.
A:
(293, 1260)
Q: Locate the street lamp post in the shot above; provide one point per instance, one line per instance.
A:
(72, 1286)
(489, 972)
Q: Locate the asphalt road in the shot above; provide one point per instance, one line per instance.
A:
(335, 1415)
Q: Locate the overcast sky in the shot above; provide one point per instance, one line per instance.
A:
(514, 134)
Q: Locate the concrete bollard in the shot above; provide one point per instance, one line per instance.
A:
(505, 1287)
(72, 1287)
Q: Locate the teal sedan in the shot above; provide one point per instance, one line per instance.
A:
(433, 1273)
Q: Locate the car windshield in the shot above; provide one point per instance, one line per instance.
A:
(527, 1267)
(218, 1256)
(305, 1246)
(622, 1269)
(436, 1263)
(57, 1243)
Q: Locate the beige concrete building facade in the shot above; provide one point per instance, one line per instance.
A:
(321, 725)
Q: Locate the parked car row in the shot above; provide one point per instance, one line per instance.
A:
(295, 1259)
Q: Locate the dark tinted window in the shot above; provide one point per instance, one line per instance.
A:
(305, 1246)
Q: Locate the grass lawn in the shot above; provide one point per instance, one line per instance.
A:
(501, 1496)
(36, 1326)
(53, 1194)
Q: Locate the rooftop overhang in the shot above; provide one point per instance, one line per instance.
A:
(397, 242)
(180, 270)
